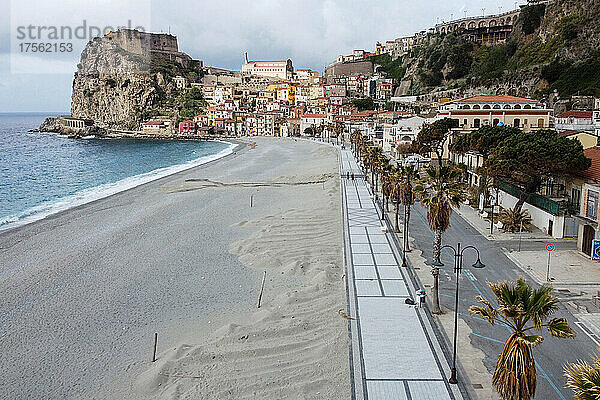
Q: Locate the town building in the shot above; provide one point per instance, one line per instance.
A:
(187, 128)
(272, 69)
(474, 112)
(588, 218)
(73, 122)
(597, 117)
(575, 121)
(157, 127)
(312, 121)
(483, 29)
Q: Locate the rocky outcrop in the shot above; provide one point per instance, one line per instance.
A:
(53, 124)
(118, 89)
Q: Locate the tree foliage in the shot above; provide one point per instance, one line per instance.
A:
(432, 138)
(584, 379)
(524, 158)
(363, 104)
(521, 309)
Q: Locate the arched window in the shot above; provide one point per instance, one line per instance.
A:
(493, 23)
(466, 107)
(476, 107)
(486, 107)
(508, 21)
(507, 107)
(496, 106)
(463, 25)
(482, 24)
(472, 25)
(517, 107)
(527, 107)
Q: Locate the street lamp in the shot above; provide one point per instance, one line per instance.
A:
(458, 255)
(404, 237)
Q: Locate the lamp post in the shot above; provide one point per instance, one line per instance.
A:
(458, 256)
(404, 238)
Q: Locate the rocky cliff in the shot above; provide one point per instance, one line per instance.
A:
(552, 52)
(118, 89)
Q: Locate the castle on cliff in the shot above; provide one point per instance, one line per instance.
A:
(144, 43)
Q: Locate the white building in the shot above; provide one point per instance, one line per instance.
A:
(272, 69)
(575, 121)
(597, 117)
(312, 121)
(404, 131)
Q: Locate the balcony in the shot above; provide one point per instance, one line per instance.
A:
(535, 199)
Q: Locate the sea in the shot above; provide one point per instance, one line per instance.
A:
(44, 173)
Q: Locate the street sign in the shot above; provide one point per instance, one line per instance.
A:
(596, 250)
(549, 247)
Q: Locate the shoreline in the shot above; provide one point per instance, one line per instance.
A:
(93, 194)
(183, 256)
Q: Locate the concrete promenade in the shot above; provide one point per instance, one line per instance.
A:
(395, 352)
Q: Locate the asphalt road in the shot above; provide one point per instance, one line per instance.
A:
(551, 355)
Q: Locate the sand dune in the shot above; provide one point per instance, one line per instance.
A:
(296, 345)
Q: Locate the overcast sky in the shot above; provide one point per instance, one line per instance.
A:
(310, 32)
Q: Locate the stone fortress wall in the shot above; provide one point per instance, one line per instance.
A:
(144, 43)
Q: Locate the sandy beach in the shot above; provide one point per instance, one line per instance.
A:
(84, 291)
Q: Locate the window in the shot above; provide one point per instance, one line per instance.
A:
(591, 210)
(517, 123)
(476, 123)
(575, 197)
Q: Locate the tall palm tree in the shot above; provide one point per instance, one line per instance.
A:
(439, 192)
(408, 176)
(522, 309)
(584, 379)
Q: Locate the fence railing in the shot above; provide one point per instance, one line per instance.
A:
(535, 199)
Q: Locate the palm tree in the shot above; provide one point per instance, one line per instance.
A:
(407, 195)
(438, 193)
(584, 379)
(522, 309)
(396, 195)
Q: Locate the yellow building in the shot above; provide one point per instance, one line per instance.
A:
(210, 114)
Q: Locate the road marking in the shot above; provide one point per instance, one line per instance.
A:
(470, 275)
(588, 332)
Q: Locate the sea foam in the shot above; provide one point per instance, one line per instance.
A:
(89, 195)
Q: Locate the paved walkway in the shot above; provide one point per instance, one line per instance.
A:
(395, 352)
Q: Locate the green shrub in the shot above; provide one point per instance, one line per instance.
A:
(552, 72)
(363, 104)
(581, 78)
(568, 27)
(531, 17)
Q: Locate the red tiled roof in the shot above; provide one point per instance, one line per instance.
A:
(494, 99)
(592, 172)
(153, 123)
(314, 116)
(576, 114)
